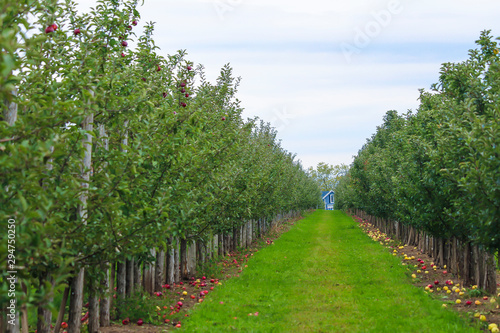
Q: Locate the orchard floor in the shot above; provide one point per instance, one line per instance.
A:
(325, 275)
(489, 307)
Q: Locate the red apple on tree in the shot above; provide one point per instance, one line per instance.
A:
(124, 43)
(77, 31)
(134, 22)
(49, 29)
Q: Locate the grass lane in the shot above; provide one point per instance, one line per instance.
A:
(325, 275)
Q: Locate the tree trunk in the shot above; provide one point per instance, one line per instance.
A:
(191, 260)
(10, 113)
(240, 236)
(215, 246)
(453, 263)
(137, 276)
(227, 243)
(422, 242)
(476, 265)
(149, 274)
(498, 259)
(121, 285)
(129, 284)
(112, 284)
(177, 264)
(259, 227)
(121, 279)
(235, 238)
(93, 326)
(104, 307)
(184, 270)
(410, 236)
(243, 236)
(467, 264)
(77, 286)
(249, 233)
(62, 309)
(159, 270)
(490, 280)
(121, 267)
(76, 303)
(171, 262)
(209, 248)
(202, 251)
(220, 248)
(44, 314)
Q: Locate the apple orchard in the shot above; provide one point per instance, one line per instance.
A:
(123, 167)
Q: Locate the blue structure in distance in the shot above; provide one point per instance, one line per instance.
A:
(328, 199)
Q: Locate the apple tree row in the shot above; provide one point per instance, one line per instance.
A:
(438, 169)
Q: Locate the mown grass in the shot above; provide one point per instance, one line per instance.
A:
(325, 275)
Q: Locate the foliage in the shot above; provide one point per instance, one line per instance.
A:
(438, 168)
(327, 176)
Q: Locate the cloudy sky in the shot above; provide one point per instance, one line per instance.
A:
(322, 72)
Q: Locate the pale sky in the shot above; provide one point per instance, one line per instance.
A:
(322, 72)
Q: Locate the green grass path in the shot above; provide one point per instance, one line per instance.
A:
(324, 275)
